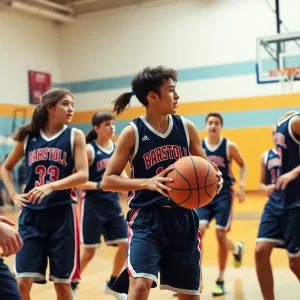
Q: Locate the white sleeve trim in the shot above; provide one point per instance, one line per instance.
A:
(265, 154)
(183, 119)
(291, 132)
(228, 144)
(25, 143)
(93, 152)
(136, 147)
(72, 140)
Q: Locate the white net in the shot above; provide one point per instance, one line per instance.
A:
(286, 77)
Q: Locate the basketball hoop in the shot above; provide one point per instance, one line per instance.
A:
(285, 75)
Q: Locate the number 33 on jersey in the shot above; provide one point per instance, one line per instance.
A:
(48, 160)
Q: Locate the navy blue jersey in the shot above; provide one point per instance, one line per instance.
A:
(48, 160)
(271, 164)
(219, 154)
(153, 153)
(97, 168)
(288, 149)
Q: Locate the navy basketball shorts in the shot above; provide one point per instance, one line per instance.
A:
(165, 240)
(281, 227)
(53, 234)
(219, 208)
(95, 223)
(8, 284)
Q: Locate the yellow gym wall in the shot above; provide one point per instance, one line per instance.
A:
(247, 122)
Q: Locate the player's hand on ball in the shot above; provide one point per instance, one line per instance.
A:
(156, 183)
(20, 200)
(38, 193)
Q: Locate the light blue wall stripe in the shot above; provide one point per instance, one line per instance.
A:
(199, 73)
(217, 71)
(243, 119)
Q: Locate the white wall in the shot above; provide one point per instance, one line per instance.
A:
(26, 43)
(182, 34)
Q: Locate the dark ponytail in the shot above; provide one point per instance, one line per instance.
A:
(40, 114)
(97, 119)
(92, 135)
(122, 102)
(148, 80)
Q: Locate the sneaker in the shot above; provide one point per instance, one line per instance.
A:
(108, 291)
(237, 262)
(220, 288)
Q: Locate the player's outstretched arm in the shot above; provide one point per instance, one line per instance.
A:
(7, 176)
(112, 179)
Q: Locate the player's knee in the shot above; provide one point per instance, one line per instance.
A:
(202, 228)
(221, 235)
(89, 253)
(62, 289)
(123, 246)
(141, 287)
(24, 285)
(294, 263)
(262, 250)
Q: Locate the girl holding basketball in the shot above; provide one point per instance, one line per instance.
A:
(163, 237)
(47, 222)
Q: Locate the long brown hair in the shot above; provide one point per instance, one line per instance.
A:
(97, 119)
(148, 80)
(40, 114)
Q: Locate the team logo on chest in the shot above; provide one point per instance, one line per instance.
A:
(50, 154)
(102, 164)
(163, 153)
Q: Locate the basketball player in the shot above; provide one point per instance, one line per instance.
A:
(163, 237)
(101, 213)
(10, 243)
(47, 223)
(269, 168)
(280, 221)
(222, 151)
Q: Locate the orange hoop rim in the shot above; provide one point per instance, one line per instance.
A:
(290, 72)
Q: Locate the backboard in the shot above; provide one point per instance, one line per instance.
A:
(277, 52)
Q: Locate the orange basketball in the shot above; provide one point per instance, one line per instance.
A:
(195, 182)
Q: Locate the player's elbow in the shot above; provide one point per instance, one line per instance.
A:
(83, 177)
(105, 183)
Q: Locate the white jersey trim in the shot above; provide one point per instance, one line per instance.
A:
(72, 140)
(162, 135)
(93, 152)
(184, 122)
(136, 147)
(25, 143)
(290, 130)
(214, 148)
(48, 139)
